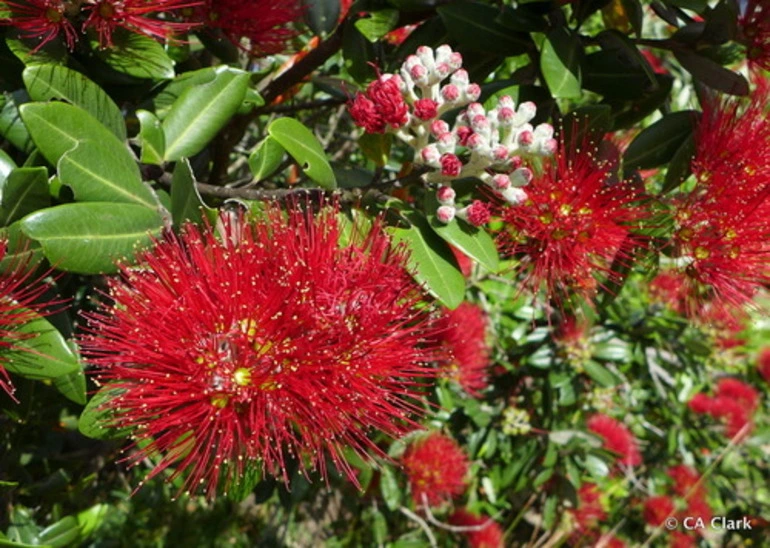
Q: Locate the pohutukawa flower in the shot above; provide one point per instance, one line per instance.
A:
(572, 224)
(273, 343)
(754, 25)
(436, 467)
(20, 292)
(140, 16)
(464, 335)
(43, 20)
(657, 509)
(479, 531)
(382, 105)
(734, 402)
(265, 23)
(617, 438)
(588, 514)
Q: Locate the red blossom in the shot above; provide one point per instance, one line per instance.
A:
(269, 344)
(265, 23)
(686, 481)
(588, 514)
(20, 292)
(657, 509)
(425, 109)
(682, 540)
(436, 467)
(43, 20)
(482, 532)
(754, 25)
(734, 402)
(572, 225)
(478, 213)
(140, 16)
(463, 332)
(382, 105)
(617, 438)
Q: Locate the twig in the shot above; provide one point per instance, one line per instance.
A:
(421, 522)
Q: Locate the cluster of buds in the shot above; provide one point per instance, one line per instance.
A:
(491, 146)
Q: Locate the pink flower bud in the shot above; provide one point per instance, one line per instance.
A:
(501, 181)
(460, 78)
(450, 93)
(506, 102)
(514, 195)
(445, 214)
(526, 112)
(515, 161)
(505, 115)
(418, 73)
(451, 165)
(463, 133)
(447, 142)
(550, 146)
(445, 195)
(500, 153)
(455, 60)
(478, 213)
(526, 138)
(439, 128)
(473, 92)
(474, 141)
(475, 109)
(442, 70)
(430, 155)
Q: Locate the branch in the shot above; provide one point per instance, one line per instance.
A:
(421, 522)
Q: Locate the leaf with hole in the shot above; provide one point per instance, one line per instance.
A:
(303, 146)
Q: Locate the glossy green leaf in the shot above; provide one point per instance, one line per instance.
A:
(136, 55)
(29, 51)
(303, 146)
(377, 24)
(627, 113)
(321, 15)
(615, 76)
(25, 191)
(45, 354)
(60, 534)
(88, 237)
(151, 138)
(95, 419)
(711, 73)
(431, 260)
(358, 53)
(91, 519)
(12, 127)
(172, 90)
(6, 166)
(201, 111)
(391, 492)
(474, 25)
(560, 63)
(46, 82)
(72, 386)
(603, 376)
(186, 203)
(98, 171)
(21, 252)
(475, 242)
(266, 158)
(657, 144)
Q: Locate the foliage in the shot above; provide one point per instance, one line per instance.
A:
(565, 205)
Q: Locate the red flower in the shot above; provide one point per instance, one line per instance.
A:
(436, 467)
(451, 165)
(617, 438)
(588, 514)
(755, 28)
(657, 509)
(269, 344)
(425, 109)
(40, 19)
(682, 540)
(382, 105)
(734, 402)
(19, 293)
(463, 332)
(572, 225)
(478, 213)
(481, 532)
(722, 225)
(685, 481)
(763, 364)
(265, 23)
(138, 16)
(670, 288)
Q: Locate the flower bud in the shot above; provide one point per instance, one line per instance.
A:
(521, 177)
(445, 213)
(445, 195)
(451, 165)
(514, 195)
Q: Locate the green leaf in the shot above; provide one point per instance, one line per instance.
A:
(45, 354)
(201, 111)
(431, 260)
(12, 127)
(98, 171)
(186, 203)
(303, 146)
(46, 82)
(96, 418)
(321, 15)
(173, 90)
(21, 251)
(87, 238)
(6, 166)
(475, 26)
(91, 519)
(358, 53)
(613, 75)
(376, 147)
(712, 74)
(657, 144)
(151, 138)
(377, 24)
(475, 242)
(627, 113)
(391, 492)
(25, 191)
(72, 386)
(62, 533)
(265, 158)
(560, 63)
(680, 166)
(603, 376)
(135, 55)
(29, 51)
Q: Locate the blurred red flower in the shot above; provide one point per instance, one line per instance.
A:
(617, 438)
(436, 467)
(463, 332)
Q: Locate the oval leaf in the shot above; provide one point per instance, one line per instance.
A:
(658, 143)
(96, 417)
(300, 142)
(560, 63)
(475, 26)
(45, 354)
(88, 237)
(201, 111)
(186, 203)
(135, 55)
(266, 158)
(151, 138)
(25, 191)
